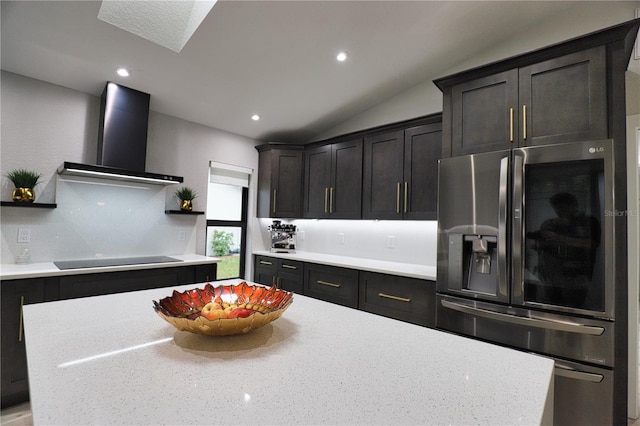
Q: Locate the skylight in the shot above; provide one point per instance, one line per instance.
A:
(167, 23)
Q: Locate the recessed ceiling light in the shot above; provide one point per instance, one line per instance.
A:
(255, 117)
(342, 56)
(123, 72)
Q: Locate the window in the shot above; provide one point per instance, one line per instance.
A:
(227, 199)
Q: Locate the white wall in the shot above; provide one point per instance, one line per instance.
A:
(426, 98)
(44, 125)
(414, 241)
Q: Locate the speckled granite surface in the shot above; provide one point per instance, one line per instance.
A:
(112, 360)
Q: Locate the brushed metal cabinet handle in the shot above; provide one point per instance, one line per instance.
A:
(331, 199)
(20, 326)
(264, 262)
(326, 195)
(398, 298)
(524, 122)
(274, 200)
(510, 124)
(406, 195)
(284, 265)
(329, 284)
(398, 198)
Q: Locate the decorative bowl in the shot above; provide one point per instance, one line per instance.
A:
(223, 310)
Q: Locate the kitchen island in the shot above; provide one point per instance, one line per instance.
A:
(112, 360)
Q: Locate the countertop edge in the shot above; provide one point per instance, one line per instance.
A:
(409, 270)
(48, 269)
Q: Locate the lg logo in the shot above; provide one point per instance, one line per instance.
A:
(593, 150)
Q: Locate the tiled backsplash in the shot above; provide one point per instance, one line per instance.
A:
(99, 218)
(406, 241)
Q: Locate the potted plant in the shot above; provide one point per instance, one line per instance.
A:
(24, 182)
(186, 196)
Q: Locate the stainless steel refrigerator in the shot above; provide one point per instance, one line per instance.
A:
(526, 260)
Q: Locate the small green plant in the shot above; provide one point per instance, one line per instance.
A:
(23, 178)
(221, 242)
(186, 193)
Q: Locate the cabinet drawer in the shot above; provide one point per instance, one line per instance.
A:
(265, 262)
(292, 267)
(406, 299)
(333, 284)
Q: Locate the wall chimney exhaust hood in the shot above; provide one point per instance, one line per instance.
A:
(122, 140)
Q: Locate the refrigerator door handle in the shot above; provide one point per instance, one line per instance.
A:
(517, 264)
(550, 324)
(502, 228)
(571, 373)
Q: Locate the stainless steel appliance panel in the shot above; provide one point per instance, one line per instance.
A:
(561, 196)
(579, 339)
(472, 208)
(583, 394)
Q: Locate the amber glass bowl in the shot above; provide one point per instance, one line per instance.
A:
(223, 310)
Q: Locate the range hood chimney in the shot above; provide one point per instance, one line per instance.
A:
(122, 139)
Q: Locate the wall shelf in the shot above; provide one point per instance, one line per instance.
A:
(193, 213)
(36, 205)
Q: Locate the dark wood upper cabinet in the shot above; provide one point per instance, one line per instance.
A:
(400, 175)
(383, 176)
(280, 181)
(333, 181)
(559, 100)
(564, 99)
(422, 149)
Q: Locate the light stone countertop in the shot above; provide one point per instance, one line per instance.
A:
(112, 360)
(48, 269)
(410, 270)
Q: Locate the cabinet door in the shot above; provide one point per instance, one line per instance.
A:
(333, 284)
(406, 299)
(345, 192)
(291, 275)
(564, 99)
(206, 273)
(382, 176)
(484, 114)
(265, 270)
(286, 187)
(15, 294)
(422, 150)
(317, 181)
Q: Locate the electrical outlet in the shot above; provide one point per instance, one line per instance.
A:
(300, 235)
(391, 241)
(24, 235)
(341, 238)
(182, 235)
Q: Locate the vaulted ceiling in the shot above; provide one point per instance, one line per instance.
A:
(273, 58)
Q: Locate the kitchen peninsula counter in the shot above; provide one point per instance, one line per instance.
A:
(48, 269)
(112, 360)
(410, 270)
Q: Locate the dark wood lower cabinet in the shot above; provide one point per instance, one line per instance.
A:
(331, 283)
(407, 299)
(74, 286)
(285, 274)
(17, 293)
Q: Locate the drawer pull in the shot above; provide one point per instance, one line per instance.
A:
(284, 265)
(264, 262)
(390, 296)
(329, 284)
(20, 327)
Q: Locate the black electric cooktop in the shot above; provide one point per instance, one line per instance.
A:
(96, 263)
